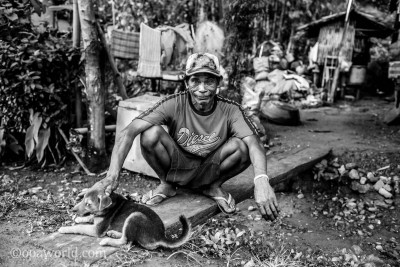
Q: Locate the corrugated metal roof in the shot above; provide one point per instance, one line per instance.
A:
(369, 24)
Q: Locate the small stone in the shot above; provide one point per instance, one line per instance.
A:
(389, 201)
(385, 193)
(384, 179)
(363, 180)
(35, 190)
(350, 166)
(372, 209)
(371, 177)
(354, 174)
(257, 217)
(378, 185)
(342, 170)
(300, 196)
(371, 227)
(250, 217)
(335, 165)
(351, 205)
(379, 247)
(387, 187)
(251, 208)
(361, 188)
(381, 204)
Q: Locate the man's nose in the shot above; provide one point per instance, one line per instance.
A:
(202, 87)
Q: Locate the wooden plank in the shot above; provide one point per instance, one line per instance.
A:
(196, 207)
(199, 208)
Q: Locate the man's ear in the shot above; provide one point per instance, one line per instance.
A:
(104, 202)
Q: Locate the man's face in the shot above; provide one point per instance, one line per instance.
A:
(202, 88)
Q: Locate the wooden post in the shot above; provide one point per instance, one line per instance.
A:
(281, 22)
(331, 94)
(275, 18)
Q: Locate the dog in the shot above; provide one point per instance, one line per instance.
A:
(123, 221)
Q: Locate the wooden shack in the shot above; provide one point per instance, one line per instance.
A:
(329, 31)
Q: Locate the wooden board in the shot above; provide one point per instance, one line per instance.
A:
(198, 208)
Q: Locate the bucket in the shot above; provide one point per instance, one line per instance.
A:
(357, 74)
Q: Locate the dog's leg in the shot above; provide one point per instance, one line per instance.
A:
(113, 242)
(85, 219)
(86, 229)
(114, 234)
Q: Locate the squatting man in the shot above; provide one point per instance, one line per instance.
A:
(209, 141)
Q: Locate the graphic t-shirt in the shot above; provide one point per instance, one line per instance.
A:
(197, 132)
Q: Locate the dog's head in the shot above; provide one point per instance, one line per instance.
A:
(93, 202)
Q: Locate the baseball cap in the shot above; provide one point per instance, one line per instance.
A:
(202, 63)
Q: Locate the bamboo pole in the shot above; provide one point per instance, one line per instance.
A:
(83, 165)
(76, 40)
(76, 26)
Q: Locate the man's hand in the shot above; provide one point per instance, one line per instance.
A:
(265, 198)
(106, 185)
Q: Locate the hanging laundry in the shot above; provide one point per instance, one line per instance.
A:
(149, 52)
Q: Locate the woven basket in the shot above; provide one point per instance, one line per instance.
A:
(125, 44)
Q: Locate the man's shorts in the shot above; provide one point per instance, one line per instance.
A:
(191, 171)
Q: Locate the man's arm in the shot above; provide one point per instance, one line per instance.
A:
(263, 193)
(120, 151)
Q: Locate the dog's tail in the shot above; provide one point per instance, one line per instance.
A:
(186, 233)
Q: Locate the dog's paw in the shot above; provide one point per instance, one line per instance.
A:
(63, 230)
(104, 242)
(111, 234)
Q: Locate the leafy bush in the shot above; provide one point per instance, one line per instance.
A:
(36, 70)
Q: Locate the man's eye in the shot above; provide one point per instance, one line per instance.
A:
(195, 81)
(210, 82)
(87, 204)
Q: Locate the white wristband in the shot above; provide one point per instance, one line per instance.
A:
(261, 175)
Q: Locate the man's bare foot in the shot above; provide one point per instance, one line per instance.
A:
(156, 196)
(224, 200)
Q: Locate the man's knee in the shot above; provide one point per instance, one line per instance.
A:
(238, 150)
(151, 136)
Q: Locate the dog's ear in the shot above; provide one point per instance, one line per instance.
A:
(104, 202)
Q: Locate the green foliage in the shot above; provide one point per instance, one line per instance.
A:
(36, 73)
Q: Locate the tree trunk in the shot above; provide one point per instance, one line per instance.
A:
(95, 91)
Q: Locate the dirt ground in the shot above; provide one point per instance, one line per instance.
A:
(33, 203)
